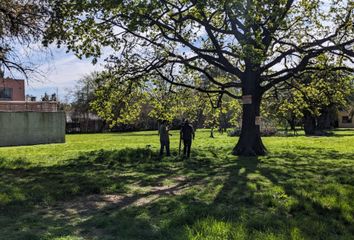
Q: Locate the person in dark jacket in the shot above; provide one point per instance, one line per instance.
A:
(187, 134)
(164, 138)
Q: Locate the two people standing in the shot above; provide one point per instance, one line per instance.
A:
(186, 135)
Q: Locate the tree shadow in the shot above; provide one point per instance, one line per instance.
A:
(302, 197)
(94, 183)
(131, 194)
(313, 154)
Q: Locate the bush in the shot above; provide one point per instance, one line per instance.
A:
(269, 131)
(234, 133)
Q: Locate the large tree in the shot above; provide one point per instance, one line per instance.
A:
(259, 44)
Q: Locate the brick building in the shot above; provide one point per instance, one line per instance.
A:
(12, 89)
(12, 98)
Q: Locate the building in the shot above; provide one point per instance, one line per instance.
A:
(28, 122)
(345, 120)
(13, 99)
(12, 89)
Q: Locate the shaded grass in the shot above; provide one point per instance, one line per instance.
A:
(304, 189)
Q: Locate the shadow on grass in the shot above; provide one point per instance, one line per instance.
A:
(130, 194)
(124, 174)
(135, 134)
(335, 133)
(312, 154)
(295, 200)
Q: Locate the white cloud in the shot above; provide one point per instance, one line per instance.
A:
(61, 71)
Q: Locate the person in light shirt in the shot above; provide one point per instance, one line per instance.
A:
(164, 138)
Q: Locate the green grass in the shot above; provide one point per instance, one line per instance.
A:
(113, 186)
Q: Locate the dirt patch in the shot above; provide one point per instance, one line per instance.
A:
(90, 204)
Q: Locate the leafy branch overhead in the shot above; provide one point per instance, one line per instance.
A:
(277, 39)
(22, 23)
(229, 48)
(126, 102)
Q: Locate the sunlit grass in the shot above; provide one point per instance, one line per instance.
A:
(114, 186)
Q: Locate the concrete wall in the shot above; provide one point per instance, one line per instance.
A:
(28, 128)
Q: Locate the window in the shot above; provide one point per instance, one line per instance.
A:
(346, 119)
(5, 93)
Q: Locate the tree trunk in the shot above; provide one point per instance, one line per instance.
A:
(212, 132)
(324, 121)
(292, 124)
(250, 142)
(309, 124)
(222, 123)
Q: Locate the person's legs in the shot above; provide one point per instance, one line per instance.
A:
(161, 148)
(189, 148)
(168, 149)
(184, 147)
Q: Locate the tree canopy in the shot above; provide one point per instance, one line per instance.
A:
(256, 44)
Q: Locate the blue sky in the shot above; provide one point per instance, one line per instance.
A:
(58, 71)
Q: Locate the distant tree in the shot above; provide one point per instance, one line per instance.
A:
(45, 98)
(84, 93)
(314, 98)
(117, 102)
(123, 102)
(279, 105)
(81, 97)
(222, 112)
(260, 44)
(53, 97)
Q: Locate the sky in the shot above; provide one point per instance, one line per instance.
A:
(60, 74)
(57, 71)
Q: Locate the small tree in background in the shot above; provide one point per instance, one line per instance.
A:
(313, 99)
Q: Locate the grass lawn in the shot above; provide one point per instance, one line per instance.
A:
(112, 186)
